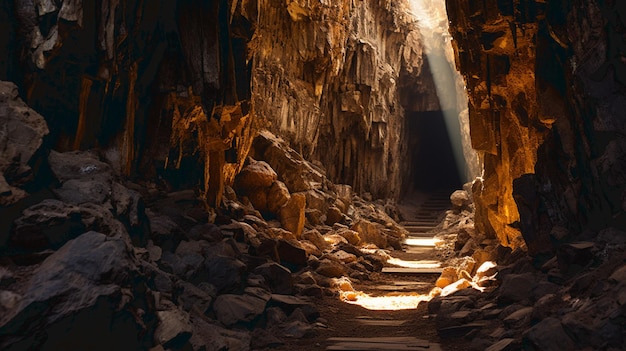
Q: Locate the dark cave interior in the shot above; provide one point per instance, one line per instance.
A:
(432, 158)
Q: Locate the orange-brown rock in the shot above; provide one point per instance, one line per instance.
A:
(539, 102)
(292, 214)
(370, 233)
(256, 175)
(277, 196)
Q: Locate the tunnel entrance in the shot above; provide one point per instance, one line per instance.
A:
(433, 166)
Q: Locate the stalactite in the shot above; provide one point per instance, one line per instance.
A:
(82, 112)
(128, 139)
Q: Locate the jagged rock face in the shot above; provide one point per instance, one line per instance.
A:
(335, 79)
(546, 87)
(496, 54)
(172, 89)
(162, 86)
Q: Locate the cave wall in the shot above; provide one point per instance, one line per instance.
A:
(176, 89)
(162, 88)
(335, 79)
(546, 88)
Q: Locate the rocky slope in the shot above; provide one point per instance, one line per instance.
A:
(103, 263)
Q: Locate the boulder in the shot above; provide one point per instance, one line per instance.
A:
(232, 309)
(291, 253)
(549, 335)
(351, 236)
(85, 292)
(80, 191)
(21, 134)
(447, 277)
(574, 257)
(277, 277)
(318, 200)
(342, 256)
(297, 174)
(517, 287)
(129, 208)
(333, 215)
(264, 339)
(460, 199)
(51, 223)
(316, 238)
(191, 297)
(257, 174)
(370, 233)
(277, 197)
(519, 319)
(213, 337)
(331, 269)
(310, 248)
(208, 231)
(314, 217)
(292, 214)
(78, 165)
(164, 231)
(225, 273)
(174, 328)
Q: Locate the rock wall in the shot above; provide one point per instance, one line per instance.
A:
(335, 79)
(161, 87)
(546, 84)
(172, 90)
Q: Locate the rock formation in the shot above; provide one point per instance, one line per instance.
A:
(545, 83)
(174, 165)
(178, 84)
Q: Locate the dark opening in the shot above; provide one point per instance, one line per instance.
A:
(433, 167)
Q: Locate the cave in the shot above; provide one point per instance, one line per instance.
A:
(242, 175)
(433, 166)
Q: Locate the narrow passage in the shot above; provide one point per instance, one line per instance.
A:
(405, 281)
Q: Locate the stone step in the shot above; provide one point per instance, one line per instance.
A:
(377, 322)
(419, 225)
(418, 250)
(413, 234)
(414, 264)
(419, 241)
(420, 229)
(403, 270)
(382, 343)
(427, 221)
(404, 287)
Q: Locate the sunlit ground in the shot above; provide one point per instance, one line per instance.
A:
(398, 301)
(385, 303)
(421, 242)
(414, 264)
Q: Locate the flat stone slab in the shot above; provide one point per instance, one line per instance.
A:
(403, 270)
(382, 343)
(369, 321)
(426, 241)
(418, 250)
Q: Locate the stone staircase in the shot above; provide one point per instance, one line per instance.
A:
(421, 223)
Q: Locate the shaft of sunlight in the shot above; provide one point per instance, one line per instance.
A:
(432, 20)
